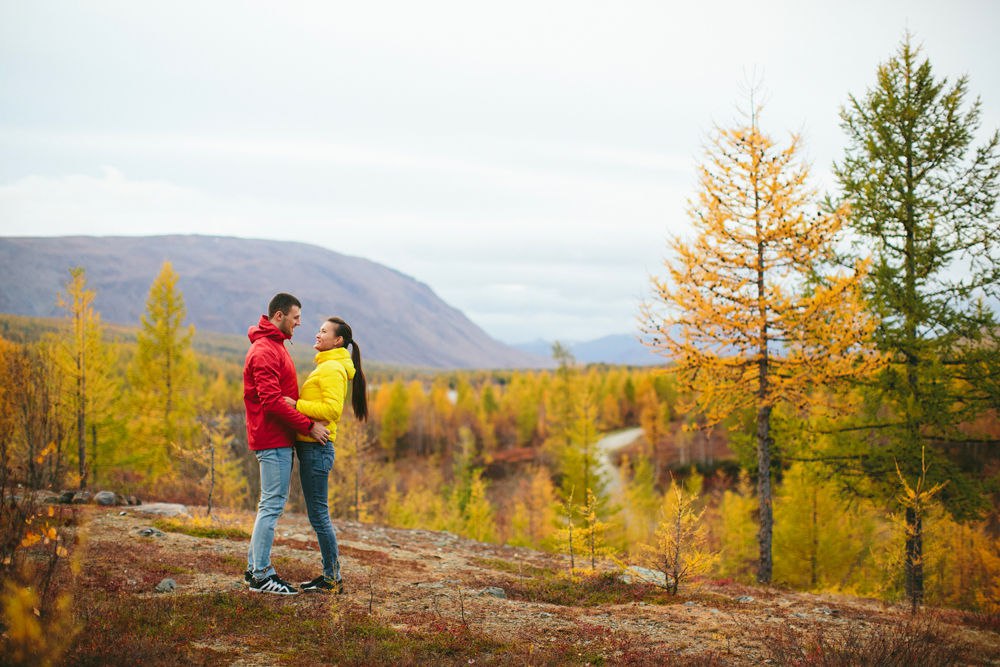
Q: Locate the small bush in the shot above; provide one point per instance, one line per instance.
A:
(919, 641)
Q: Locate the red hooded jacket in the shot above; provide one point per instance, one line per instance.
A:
(269, 374)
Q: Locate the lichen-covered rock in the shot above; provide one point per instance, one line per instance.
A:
(166, 586)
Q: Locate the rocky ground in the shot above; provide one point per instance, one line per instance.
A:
(511, 605)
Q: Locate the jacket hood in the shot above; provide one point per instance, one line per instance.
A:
(339, 355)
(264, 329)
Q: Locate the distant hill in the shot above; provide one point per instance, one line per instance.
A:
(618, 349)
(227, 283)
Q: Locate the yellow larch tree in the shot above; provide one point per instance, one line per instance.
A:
(751, 311)
(87, 364)
(533, 521)
(164, 378)
(680, 545)
(819, 537)
(736, 530)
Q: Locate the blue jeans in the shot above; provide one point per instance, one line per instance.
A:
(315, 464)
(275, 476)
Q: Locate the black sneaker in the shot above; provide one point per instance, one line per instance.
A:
(248, 577)
(273, 584)
(322, 584)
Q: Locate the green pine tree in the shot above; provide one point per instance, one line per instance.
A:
(923, 202)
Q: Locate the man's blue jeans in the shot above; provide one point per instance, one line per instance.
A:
(315, 464)
(275, 476)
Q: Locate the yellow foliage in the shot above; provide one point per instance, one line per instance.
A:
(757, 319)
(534, 517)
(737, 531)
(32, 637)
(679, 548)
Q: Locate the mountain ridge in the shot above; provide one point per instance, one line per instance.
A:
(227, 282)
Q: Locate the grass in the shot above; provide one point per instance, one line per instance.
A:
(585, 590)
(310, 629)
(201, 527)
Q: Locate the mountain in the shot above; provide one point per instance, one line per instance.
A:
(618, 349)
(227, 283)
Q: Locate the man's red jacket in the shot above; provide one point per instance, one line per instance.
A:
(269, 374)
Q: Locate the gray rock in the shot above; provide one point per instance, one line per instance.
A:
(106, 498)
(654, 577)
(824, 610)
(164, 509)
(744, 599)
(166, 586)
(690, 603)
(150, 532)
(82, 497)
(495, 591)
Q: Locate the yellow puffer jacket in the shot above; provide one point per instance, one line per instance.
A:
(323, 393)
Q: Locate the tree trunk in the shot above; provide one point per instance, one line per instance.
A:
(81, 408)
(914, 558)
(814, 556)
(211, 465)
(766, 528)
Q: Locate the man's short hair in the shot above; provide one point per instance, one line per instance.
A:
(283, 302)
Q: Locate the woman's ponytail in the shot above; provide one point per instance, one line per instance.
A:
(359, 393)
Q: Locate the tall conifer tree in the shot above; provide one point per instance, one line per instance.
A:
(751, 312)
(87, 364)
(923, 201)
(163, 376)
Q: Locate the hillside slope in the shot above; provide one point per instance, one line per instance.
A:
(227, 283)
(424, 597)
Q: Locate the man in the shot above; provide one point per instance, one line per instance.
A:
(269, 374)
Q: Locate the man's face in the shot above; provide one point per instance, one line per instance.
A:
(286, 322)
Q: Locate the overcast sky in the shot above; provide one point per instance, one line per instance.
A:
(527, 160)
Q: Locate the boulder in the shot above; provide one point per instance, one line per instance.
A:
(166, 586)
(66, 496)
(164, 509)
(82, 497)
(648, 576)
(150, 532)
(106, 498)
(495, 591)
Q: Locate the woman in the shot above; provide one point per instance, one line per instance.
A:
(322, 399)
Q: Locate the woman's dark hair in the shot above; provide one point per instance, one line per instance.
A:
(359, 395)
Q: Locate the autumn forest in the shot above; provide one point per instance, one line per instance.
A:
(825, 417)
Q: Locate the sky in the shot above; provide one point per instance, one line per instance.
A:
(526, 160)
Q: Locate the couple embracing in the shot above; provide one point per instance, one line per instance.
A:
(281, 421)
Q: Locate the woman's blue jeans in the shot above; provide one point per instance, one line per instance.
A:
(275, 476)
(315, 464)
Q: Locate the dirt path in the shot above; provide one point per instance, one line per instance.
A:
(608, 446)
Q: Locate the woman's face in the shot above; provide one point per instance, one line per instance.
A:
(326, 339)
